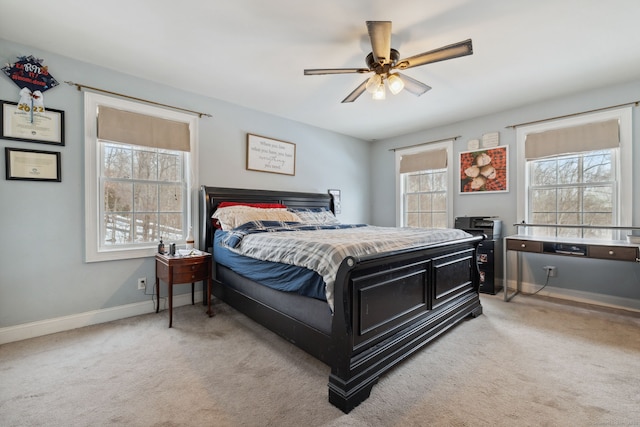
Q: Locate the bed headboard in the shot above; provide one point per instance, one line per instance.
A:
(210, 197)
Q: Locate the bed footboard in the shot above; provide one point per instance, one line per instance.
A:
(388, 307)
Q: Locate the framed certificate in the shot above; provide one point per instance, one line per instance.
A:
(32, 165)
(46, 127)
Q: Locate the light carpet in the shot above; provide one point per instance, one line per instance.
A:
(530, 362)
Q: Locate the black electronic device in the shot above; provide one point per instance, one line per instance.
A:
(489, 250)
(490, 226)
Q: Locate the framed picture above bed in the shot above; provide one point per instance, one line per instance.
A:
(270, 155)
(484, 171)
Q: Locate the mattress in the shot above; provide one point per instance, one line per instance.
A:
(279, 276)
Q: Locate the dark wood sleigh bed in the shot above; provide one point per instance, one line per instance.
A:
(386, 306)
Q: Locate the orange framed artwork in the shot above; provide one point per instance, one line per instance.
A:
(484, 170)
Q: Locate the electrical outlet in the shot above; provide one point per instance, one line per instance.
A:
(551, 270)
(142, 283)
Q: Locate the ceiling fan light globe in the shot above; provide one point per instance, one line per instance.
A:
(373, 83)
(379, 94)
(395, 84)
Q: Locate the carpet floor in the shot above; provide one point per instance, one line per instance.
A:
(530, 362)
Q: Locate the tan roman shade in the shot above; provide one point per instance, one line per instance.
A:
(139, 129)
(425, 160)
(575, 139)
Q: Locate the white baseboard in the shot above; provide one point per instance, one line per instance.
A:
(66, 323)
(580, 296)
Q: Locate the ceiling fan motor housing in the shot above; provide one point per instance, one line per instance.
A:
(384, 67)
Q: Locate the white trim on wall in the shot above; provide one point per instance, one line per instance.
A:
(51, 326)
(574, 295)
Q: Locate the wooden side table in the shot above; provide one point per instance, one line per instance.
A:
(183, 269)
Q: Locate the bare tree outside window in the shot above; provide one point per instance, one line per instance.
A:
(143, 194)
(425, 199)
(576, 189)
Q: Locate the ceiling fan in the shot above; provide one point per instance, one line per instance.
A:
(383, 59)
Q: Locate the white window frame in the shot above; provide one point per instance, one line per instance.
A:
(624, 167)
(447, 145)
(93, 250)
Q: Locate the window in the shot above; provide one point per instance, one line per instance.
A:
(424, 180)
(143, 192)
(576, 172)
(138, 182)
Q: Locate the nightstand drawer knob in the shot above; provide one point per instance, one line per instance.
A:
(523, 245)
(610, 252)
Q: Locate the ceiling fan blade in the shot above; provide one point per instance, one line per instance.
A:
(446, 52)
(356, 93)
(319, 71)
(414, 86)
(380, 35)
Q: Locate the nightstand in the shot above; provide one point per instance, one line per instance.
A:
(183, 269)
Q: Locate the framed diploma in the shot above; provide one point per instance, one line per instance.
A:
(32, 165)
(46, 127)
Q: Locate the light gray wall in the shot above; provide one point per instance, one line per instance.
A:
(42, 270)
(619, 279)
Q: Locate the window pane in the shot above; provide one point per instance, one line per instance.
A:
(543, 201)
(146, 229)
(118, 197)
(134, 197)
(569, 218)
(598, 199)
(598, 219)
(413, 203)
(413, 220)
(145, 165)
(439, 220)
(412, 183)
(439, 202)
(171, 226)
(544, 218)
(440, 181)
(597, 168)
(568, 200)
(425, 202)
(584, 193)
(591, 233)
(170, 198)
(116, 161)
(146, 198)
(169, 167)
(426, 182)
(568, 170)
(117, 228)
(425, 220)
(424, 193)
(569, 232)
(544, 173)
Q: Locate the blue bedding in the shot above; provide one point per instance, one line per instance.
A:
(283, 277)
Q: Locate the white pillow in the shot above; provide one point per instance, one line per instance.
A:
(233, 216)
(316, 216)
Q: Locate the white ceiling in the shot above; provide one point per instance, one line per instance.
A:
(253, 52)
